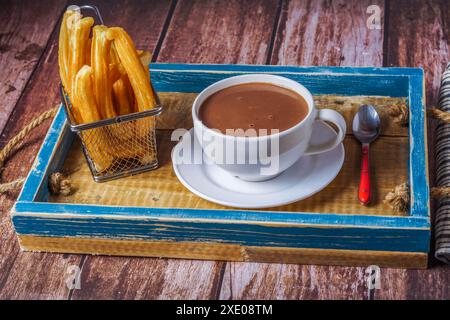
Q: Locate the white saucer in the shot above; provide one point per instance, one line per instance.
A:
(306, 177)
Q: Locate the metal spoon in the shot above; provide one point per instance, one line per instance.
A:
(366, 128)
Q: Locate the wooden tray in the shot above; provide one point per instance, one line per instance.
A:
(152, 214)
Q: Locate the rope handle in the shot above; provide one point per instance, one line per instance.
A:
(400, 114)
(58, 183)
(399, 198)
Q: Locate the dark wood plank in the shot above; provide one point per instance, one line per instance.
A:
(142, 19)
(399, 284)
(312, 33)
(419, 36)
(38, 275)
(135, 278)
(25, 27)
(147, 278)
(31, 275)
(282, 281)
(42, 275)
(220, 31)
(323, 32)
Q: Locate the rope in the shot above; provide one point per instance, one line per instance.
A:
(7, 150)
(439, 114)
(58, 183)
(399, 198)
(440, 193)
(11, 186)
(400, 114)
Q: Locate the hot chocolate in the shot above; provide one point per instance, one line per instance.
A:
(253, 106)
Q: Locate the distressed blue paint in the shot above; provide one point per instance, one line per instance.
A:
(39, 171)
(56, 162)
(317, 83)
(34, 216)
(420, 204)
(243, 234)
(299, 69)
(301, 218)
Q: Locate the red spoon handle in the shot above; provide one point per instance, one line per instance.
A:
(364, 183)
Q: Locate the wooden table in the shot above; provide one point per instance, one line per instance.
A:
(295, 32)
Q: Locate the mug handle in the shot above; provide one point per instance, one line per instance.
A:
(338, 120)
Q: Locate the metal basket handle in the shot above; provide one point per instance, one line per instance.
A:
(87, 7)
(157, 110)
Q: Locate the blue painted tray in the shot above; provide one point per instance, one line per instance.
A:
(201, 231)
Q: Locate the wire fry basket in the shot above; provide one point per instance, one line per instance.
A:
(120, 146)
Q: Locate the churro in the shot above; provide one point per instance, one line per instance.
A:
(101, 48)
(139, 77)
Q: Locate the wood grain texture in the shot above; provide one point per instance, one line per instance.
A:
(220, 251)
(399, 284)
(41, 94)
(31, 275)
(312, 32)
(140, 278)
(142, 19)
(39, 276)
(419, 35)
(322, 32)
(220, 32)
(25, 27)
(280, 281)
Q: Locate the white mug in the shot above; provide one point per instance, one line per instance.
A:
(282, 149)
